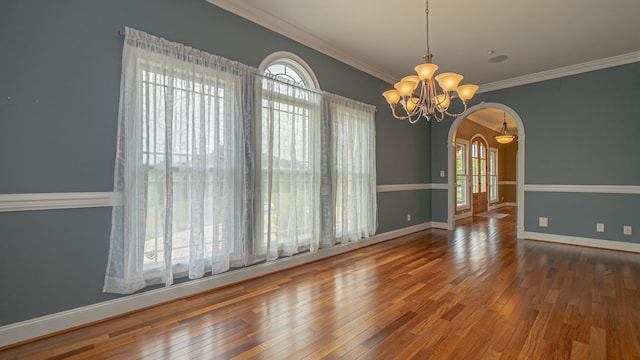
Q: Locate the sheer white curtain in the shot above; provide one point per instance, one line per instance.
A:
(213, 177)
(181, 165)
(353, 168)
(290, 168)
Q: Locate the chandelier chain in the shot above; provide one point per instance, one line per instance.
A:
(426, 13)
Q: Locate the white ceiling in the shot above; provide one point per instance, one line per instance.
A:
(493, 118)
(387, 39)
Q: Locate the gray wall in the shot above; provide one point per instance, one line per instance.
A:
(580, 130)
(59, 88)
(59, 85)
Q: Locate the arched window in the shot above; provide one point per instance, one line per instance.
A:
(479, 174)
(290, 156)
(231, 173)
(478, 166)
(289, 68)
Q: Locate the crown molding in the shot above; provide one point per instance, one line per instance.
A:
(279, 26)
(562, 72)
(283, 28)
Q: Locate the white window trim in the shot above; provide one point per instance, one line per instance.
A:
(293, 60)
(494, 150)
(304, 70)
(467, 145)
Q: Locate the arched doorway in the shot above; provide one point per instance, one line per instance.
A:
(479, 174)
(520, 163)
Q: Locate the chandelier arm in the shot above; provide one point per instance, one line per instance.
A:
(409, 116)
(431, 94)
(460, 113)
(393, 111)
(424, 92)
(415, 111)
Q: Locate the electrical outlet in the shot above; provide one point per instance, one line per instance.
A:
(599, 227)
(543, 222)
(408, 217)
(627, 230)
(441, 173)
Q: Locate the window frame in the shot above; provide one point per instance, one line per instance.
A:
(294, 61)
(147, 78)
(310, 82)
(466, 175)
(493, 176)
(479, 181)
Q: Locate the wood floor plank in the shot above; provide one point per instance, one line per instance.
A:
(474, 293)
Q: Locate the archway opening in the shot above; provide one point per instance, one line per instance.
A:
(456, 184)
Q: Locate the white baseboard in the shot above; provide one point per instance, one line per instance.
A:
(438, 225)
(580, 241)
(463, 215)
(469, 213)
(501, 205)
(41, 326)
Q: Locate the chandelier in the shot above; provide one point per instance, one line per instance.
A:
(505, 137)
(430, 102)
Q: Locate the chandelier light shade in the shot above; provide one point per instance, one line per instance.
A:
(505, 137)
(419, 96)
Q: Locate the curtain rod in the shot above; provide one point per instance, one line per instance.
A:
(121, 33)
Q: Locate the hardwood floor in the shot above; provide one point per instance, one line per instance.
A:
(473, 293)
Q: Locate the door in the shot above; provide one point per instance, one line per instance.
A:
(479, 178)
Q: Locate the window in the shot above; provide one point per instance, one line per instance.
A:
(315, 192)
(290, 159)
(180, 165)
(493, 174)
(478, 166)
(188, 161)
(353, 175)
(462, 173)
(213, 177)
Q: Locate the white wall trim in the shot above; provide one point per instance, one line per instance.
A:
(437, 225)
(599, 189)
(443, 186)
(77, 200)
(281, 27)
(49, 201)
(409, 187)
(29, 329)
(463, 215)
(581, 241)
(563, 71)
(501, 205)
